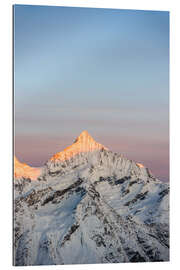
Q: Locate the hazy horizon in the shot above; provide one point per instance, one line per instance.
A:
(101, 70)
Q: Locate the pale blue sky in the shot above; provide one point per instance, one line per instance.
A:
(103, 70)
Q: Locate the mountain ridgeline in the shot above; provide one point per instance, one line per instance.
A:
(90, 205)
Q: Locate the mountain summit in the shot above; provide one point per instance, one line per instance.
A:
(22, 170)
(83, 143)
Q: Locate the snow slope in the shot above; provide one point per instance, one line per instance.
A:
(92, 207)
(22, 170)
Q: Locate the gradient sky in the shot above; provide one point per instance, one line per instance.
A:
(101, 70)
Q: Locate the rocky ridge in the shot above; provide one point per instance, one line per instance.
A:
(22, 170)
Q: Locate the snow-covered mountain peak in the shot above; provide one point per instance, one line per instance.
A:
(84, 143)
(89, 205)
(84, 136)
(22, 170)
